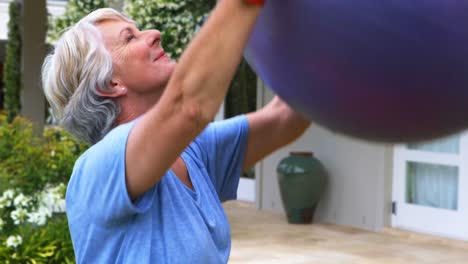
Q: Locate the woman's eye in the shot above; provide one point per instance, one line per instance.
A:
(130, 37)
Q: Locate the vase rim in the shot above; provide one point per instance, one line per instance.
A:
(301, 153)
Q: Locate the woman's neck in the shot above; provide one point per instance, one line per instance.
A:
(135, 105)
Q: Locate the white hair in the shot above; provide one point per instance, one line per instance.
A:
(72, 74)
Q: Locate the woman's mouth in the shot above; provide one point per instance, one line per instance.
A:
(160, 55)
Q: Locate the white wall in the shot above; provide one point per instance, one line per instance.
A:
(56, 8)
(358, 192)
(4, 17)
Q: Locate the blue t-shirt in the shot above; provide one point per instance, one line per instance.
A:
(170, 223)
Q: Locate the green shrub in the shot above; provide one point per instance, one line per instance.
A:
(20, 154)
(12, 70)
(29, 162)
(241, 97)
(61, 150)
(33, 174)
(34, 229)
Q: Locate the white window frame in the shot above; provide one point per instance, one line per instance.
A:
(434, 221)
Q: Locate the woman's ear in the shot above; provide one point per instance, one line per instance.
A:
(116, 89)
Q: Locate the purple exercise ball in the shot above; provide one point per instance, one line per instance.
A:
(381, 70)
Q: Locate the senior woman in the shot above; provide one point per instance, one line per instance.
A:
(149, 189)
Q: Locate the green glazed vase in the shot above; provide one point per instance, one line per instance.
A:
(301, 179)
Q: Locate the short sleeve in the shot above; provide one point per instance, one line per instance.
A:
(97, 189)
(222, 146)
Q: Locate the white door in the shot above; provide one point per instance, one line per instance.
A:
(246, 190)
(430, 187)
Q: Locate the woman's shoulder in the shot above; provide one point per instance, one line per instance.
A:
(227, 126)
(101, 161)
(109, 148)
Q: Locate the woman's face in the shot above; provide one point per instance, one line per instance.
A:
(140, 64)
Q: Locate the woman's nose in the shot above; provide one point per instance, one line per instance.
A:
(153, 37)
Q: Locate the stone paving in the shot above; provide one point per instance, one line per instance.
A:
(266, 237)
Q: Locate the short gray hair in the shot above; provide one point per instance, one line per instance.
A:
(72, 74)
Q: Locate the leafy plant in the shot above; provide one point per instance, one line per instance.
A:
(20, 155)
(35, 228)
(34, 171)
(28, 161)
(61, 150)
(12, 70)
(242, 94)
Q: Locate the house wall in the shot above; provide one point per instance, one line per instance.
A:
(4, 17)
(358, 192)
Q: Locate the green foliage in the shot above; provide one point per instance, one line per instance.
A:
(48, 244)
(242, 94)
(18, 147)
(177, 20)
(29, 162)
(12, 70)
(61, 151)
(34, 228)
(34, 171)
(74, 11)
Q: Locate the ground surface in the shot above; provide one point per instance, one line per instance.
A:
(266, 237)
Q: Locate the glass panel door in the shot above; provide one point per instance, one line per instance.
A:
(430, 186)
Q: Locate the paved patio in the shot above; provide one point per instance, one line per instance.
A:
(266, 237)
